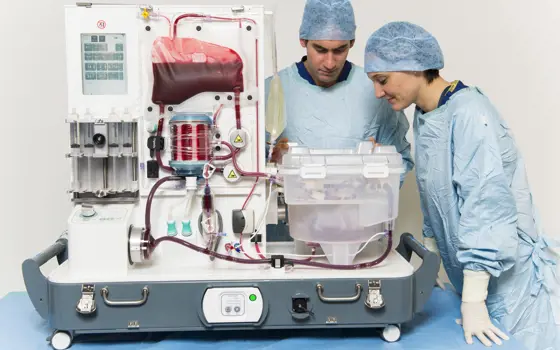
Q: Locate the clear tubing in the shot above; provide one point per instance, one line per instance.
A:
(196, 15)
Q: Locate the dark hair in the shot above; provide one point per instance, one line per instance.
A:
(431, 75)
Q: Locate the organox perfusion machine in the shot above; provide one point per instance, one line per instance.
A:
(172, 192)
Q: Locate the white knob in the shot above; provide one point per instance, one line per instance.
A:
(87, 211)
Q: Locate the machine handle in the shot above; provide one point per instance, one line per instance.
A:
(425, 276)
(35, 281)
(105, 295)
(339, 299)
(409, 244)
(52, 251)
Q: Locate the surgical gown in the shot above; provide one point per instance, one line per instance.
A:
(340, 116)
(477, 204)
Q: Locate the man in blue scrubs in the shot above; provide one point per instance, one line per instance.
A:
(329, 101)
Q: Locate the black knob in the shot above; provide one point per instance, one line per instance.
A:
(218, 148)
(99, 139)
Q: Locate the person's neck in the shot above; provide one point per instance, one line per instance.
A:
(429, 95)
(319, 83)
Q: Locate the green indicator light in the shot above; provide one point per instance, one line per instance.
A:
(252, 297)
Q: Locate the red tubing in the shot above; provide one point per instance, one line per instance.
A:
(226, 157)
(147, 217)
(234, 161)
(208, 251)
(237, 94)
(158, 155)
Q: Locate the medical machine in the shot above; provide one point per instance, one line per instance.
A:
(172, 192)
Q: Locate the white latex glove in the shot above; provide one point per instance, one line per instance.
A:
(475, 318)
(430, 244)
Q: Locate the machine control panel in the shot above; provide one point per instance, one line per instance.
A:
(232, 305)
(103, 64)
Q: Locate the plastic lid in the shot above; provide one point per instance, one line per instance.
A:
(366, 160)
(192, 117)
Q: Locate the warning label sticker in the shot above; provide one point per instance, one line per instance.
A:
(238, 139)
(232, 175)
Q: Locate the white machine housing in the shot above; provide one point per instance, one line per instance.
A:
(172, 192)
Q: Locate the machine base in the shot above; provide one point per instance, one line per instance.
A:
(361, 299)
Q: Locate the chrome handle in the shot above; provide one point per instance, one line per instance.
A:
(339, 299)
(105, 295)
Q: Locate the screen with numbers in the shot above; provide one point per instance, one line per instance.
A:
(104, 64)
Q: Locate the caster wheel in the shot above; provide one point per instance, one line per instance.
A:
(391, 333)
(61, 340)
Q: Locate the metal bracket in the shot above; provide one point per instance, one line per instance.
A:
(86, 305)
(374, 299)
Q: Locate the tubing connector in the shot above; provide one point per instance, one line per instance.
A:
(171, 228)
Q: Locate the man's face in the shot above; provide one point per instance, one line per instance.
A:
(325, 59)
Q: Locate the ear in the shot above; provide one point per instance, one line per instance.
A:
(303, 42)
(352, 43)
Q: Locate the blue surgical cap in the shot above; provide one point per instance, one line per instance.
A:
(328, 20)
(402, 46)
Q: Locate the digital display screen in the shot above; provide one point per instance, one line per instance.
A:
(104, 64)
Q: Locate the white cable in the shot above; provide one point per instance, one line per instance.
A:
(297, 255)
(323, 256)
(263, 215)
(369, 240)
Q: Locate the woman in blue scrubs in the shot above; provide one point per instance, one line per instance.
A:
(478, 210)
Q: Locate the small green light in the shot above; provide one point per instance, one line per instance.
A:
(252, 297)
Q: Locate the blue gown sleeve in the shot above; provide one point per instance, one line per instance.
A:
(427, 229)
(487, 237)
(389, 127)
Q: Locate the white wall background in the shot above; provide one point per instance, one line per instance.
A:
(509, 48)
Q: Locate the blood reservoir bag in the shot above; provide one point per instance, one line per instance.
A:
(185, 67)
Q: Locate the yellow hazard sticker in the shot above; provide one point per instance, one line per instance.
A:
(238, 139)
(232, 175)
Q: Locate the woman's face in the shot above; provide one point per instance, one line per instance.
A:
(399, 88)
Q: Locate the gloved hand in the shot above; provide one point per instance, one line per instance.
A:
(280, 148)
(475, 318)
(430, 244)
